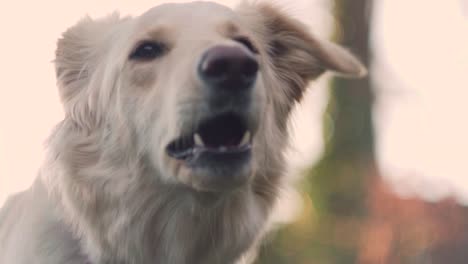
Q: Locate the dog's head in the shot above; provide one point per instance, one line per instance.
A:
(202, 92)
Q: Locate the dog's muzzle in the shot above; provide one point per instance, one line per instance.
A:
(218, 146)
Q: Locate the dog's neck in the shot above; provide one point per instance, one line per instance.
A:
(136, 219)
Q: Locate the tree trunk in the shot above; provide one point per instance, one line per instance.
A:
(329, 229)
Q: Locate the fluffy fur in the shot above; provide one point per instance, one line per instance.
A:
(107, 192)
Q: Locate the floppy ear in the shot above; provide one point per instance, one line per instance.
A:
(296, 54)
(78, 54)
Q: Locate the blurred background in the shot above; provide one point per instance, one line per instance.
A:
(379, 164)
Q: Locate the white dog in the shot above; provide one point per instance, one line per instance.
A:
(171, 150)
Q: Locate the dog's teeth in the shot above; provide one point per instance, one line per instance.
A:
(198, 140)
(245, 139)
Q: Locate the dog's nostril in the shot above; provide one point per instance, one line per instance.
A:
(215, 69)
(224, 66)
(250, 69)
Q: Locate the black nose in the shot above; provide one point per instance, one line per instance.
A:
(228, 67)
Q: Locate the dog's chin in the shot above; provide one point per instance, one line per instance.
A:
(214, 170)
(211, 171)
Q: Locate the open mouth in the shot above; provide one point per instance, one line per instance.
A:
(223, 135)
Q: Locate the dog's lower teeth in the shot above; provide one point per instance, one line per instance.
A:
(198, 140)
(245, 139)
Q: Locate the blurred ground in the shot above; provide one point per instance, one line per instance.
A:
(411, 230)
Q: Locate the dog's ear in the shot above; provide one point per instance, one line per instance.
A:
(78, 54)
(297, 54)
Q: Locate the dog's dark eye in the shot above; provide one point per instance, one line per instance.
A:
(247, 43)
(148, 50)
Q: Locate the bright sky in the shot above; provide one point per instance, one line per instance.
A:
(421, 118)
(423, 114)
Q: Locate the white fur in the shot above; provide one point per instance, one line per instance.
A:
(107, 192)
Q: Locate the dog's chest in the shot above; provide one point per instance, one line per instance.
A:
(182, 234)
(221, 237)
